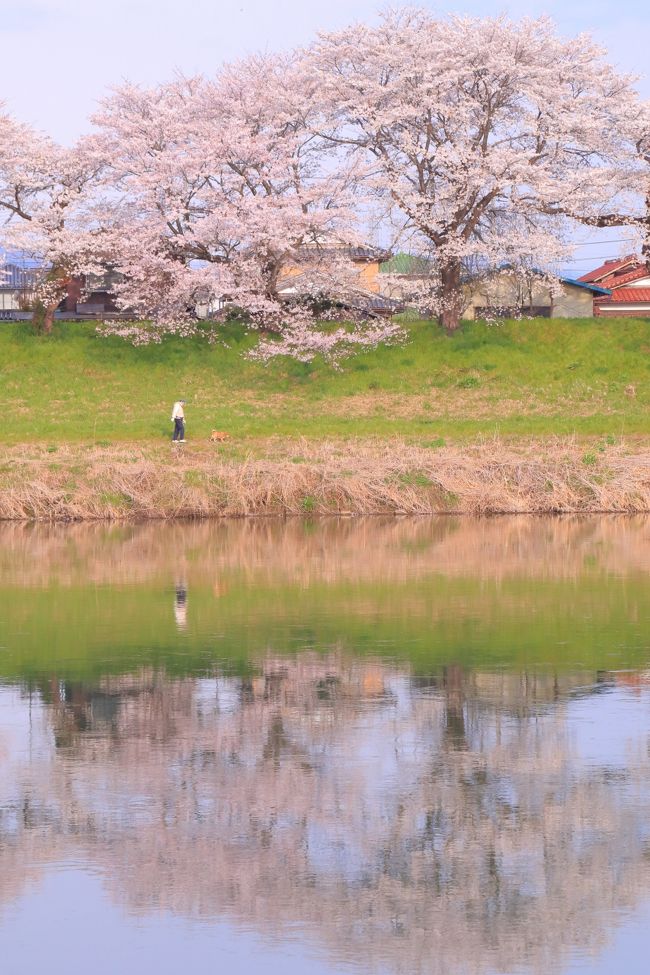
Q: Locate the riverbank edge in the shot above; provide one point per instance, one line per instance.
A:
(277, 477)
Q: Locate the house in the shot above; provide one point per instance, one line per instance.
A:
(358, 268)
(509, 295)
(90, 296)
(504, 293)
(400, 273)
(627, 279)
(356, 299)
(18, 289)
(364, 261)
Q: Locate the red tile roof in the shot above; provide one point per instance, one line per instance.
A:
(627, 295)
(609, 267)
(617, 281)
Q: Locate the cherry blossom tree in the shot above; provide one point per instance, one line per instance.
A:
(224, 190)
(44, 190)
(486, 138)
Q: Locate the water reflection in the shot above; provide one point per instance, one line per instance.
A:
(326, 551)
(445, 823)
(420, 746)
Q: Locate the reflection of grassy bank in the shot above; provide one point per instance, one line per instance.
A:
(517, 591)
(590, 623)
(323, 477)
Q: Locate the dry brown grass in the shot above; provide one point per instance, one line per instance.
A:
(328, 477)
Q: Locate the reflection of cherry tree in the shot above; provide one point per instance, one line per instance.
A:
(26, 813)
(436, 825)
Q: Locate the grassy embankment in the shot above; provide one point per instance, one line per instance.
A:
(537, 415)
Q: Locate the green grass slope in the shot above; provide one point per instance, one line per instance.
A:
(541, 377)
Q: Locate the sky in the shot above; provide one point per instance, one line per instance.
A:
(60, 56)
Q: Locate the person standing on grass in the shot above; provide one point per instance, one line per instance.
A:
(178, 419)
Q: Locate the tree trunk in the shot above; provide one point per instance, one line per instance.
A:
(48, 317)
(451, 297)
(43, 316)
(56, 284)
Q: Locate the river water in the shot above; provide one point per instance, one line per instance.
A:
(392, 746)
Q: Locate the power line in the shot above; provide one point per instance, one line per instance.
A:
(599, 243)
(595, 257)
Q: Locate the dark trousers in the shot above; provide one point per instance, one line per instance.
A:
(179, 428)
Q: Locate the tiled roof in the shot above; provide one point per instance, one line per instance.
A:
(617, 281)
(629, 296)
(367, 254)
(609, 267)
(350, 251)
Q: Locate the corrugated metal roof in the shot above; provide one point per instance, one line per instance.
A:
(13, 277)
(406, 264)
(595, 288)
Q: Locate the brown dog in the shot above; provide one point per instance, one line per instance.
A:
(218, 436)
